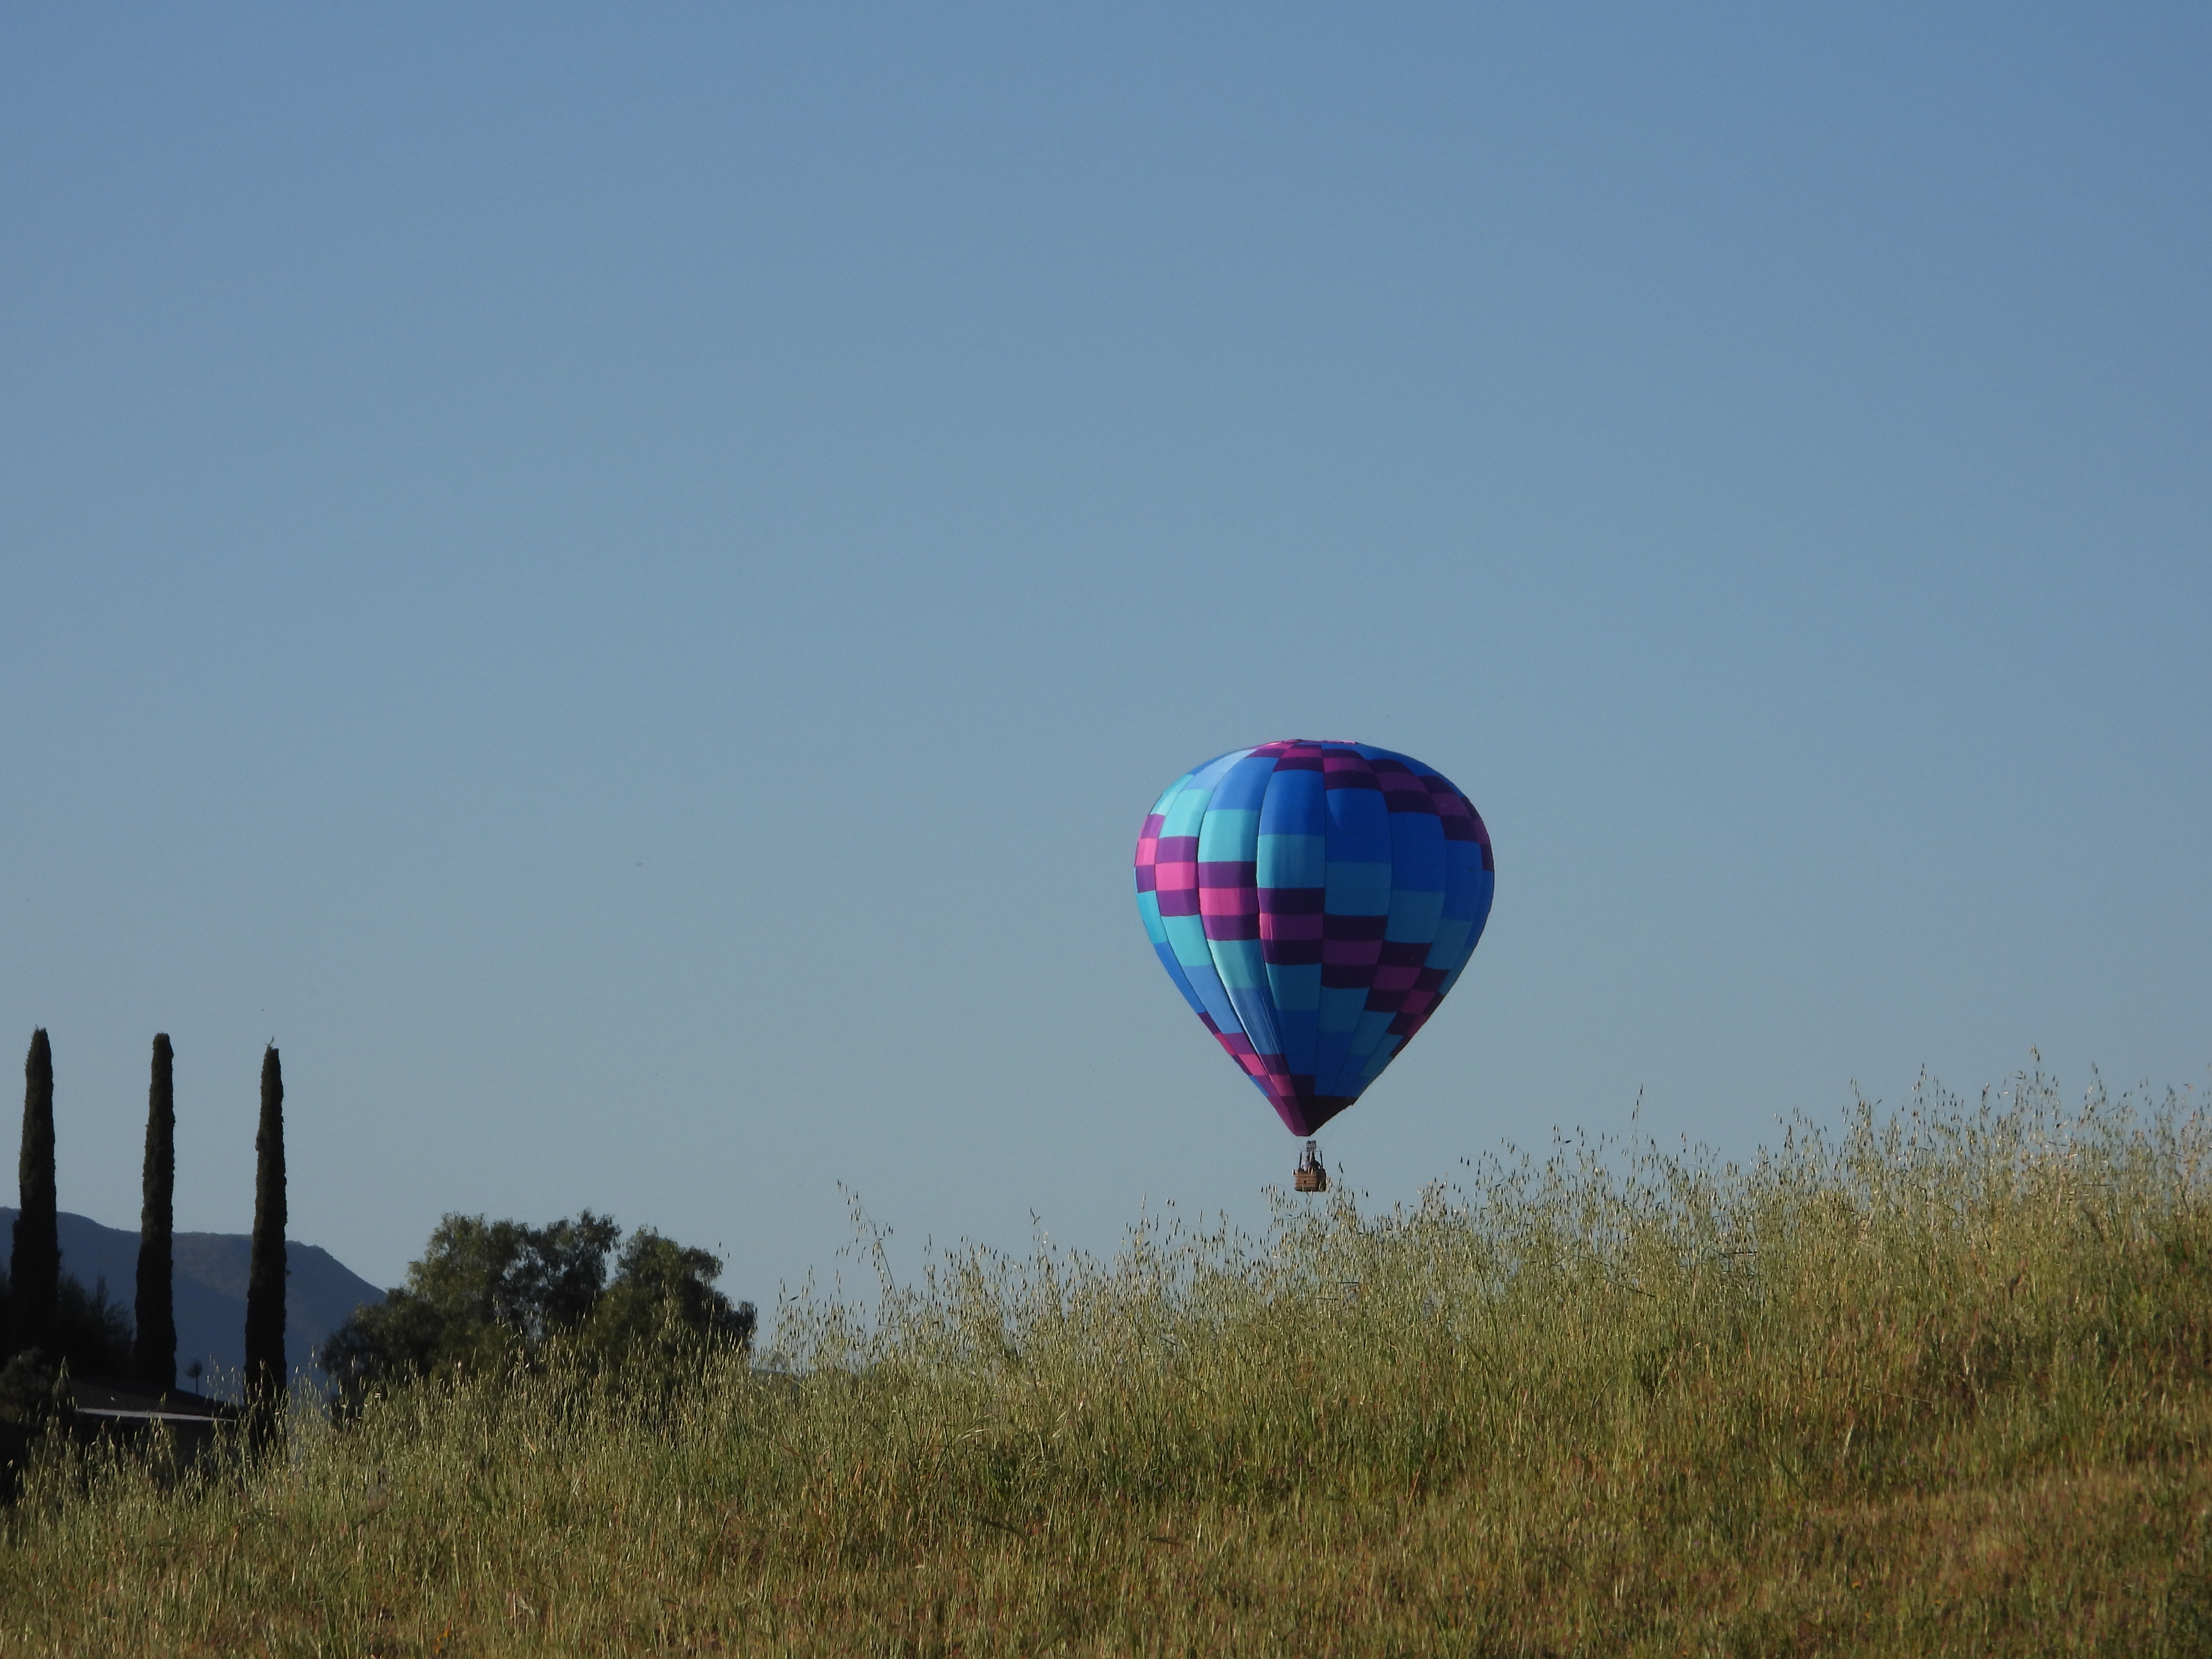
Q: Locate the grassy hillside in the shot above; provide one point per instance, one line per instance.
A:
(1941, 1385)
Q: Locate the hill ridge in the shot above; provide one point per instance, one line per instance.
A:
(209, 1292)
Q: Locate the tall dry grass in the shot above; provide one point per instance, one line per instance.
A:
(1939, 1382)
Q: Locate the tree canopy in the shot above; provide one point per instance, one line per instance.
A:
(489, 1294)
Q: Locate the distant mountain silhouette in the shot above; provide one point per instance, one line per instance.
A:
(209, 1292)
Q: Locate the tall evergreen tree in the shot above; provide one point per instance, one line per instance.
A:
(34, 1268)
(154, 1353)
(265, 1275)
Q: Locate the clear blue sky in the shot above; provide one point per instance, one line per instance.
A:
(620, 580)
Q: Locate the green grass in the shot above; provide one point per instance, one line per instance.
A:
(1936, 1384)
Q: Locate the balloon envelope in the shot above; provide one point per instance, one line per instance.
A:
(1314, 901)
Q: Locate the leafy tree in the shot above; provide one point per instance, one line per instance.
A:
(266, 1378)
(91, 1337)
(35, 1263)
(93, 1333)
(484, 1293)
(532, 1283)
(154, 1356)
(663, 1304)
(489, 1294)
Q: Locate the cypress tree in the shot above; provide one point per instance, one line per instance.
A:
(264, 1273)
(153, 1353)
(34, 1268)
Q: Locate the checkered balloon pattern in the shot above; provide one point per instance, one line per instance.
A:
(1314, 901)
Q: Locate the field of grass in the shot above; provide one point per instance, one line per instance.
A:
(1937, 1384)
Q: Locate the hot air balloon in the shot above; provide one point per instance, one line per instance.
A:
(1314, 901)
